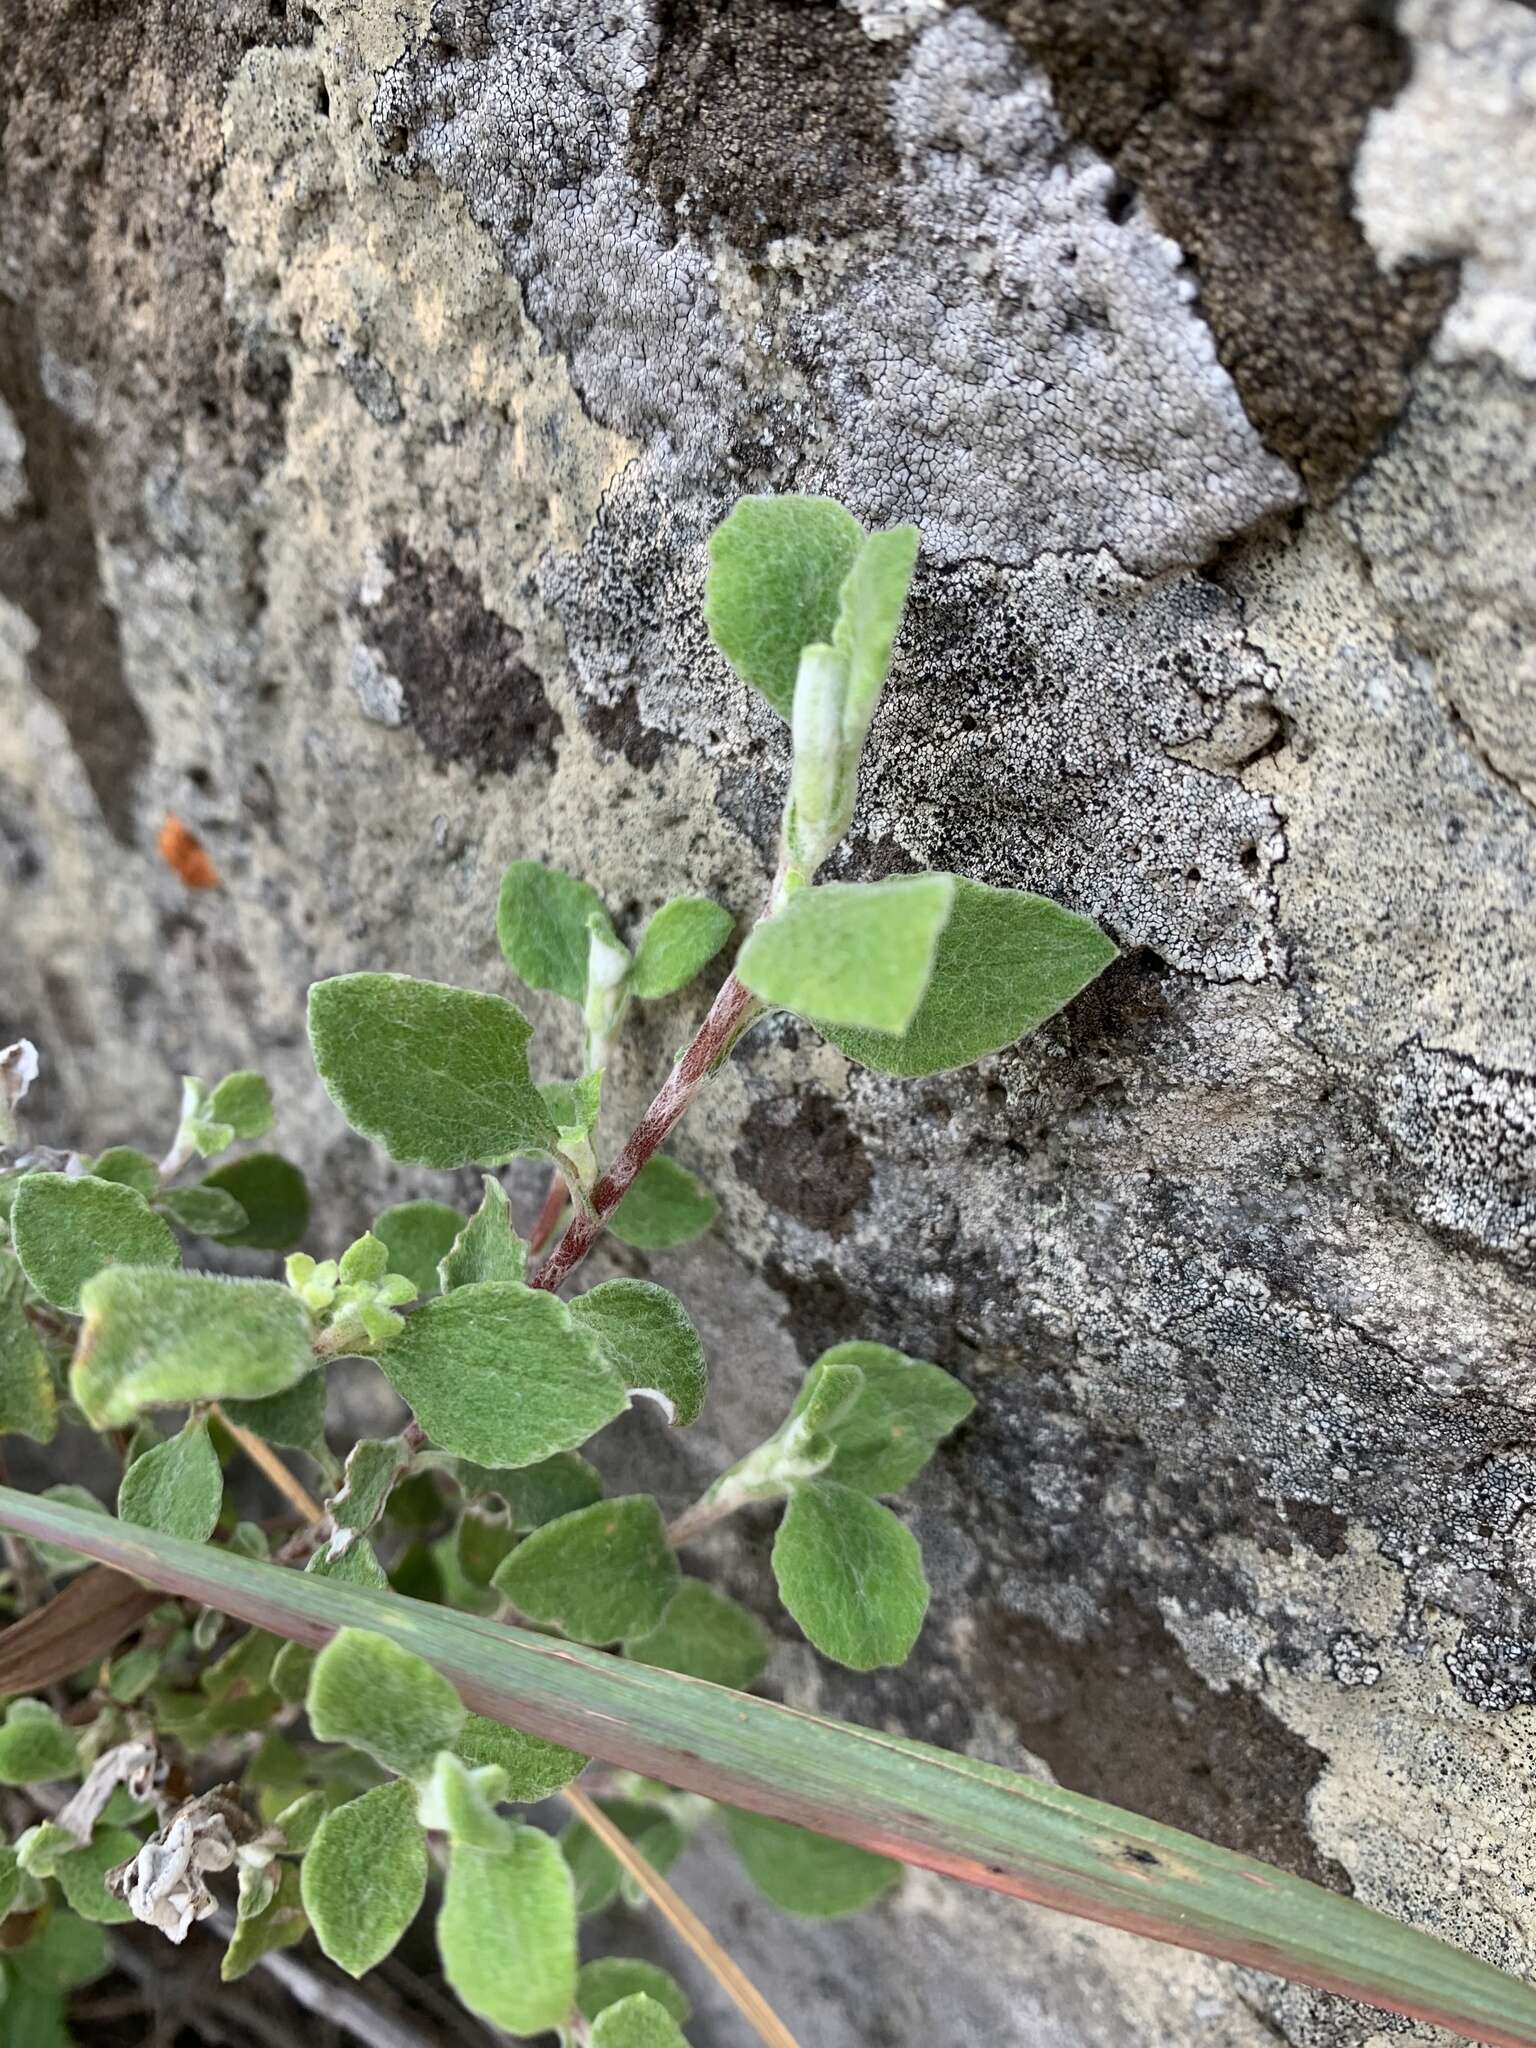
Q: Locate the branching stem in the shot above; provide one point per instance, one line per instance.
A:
(731, 1013)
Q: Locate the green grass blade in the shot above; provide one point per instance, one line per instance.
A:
(977, 1822)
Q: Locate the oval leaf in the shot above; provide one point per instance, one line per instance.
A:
(177, 1487)
(154, 1338)
(851, 1575)
(605, 1572)
(706, 1634)
(437, 1076)
(501, 1374)
(664, 1206)
(604, 1982)
(1006, 961)
(806, 1873)
(29, 1404)
(274, 1195)
(776, 568)
(851, 952)
(487, 1247)
(365, 1875)
(541, 921)
(65, 1230)
(683, 937)
(370, 1694)
(903, 1410)
(534, 1768)
(507, 1932)
(645, 1335)
(638, 2021)
(417, 1235)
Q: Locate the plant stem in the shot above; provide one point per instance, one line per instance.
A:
(554, 1202)
(728, 1974)
(703, 1515)
(731, 1013)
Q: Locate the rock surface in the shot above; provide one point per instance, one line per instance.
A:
(369, 378)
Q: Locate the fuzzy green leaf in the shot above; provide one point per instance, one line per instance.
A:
(67, 1953)
(365, 1876)
(636, 2022)
(152, 1338)
(806, 1873)
(65, 1230)
(598, 1877)
(542, 922)
(281, 1923)
(664, 1206)
(604, 1982)
(35, 1746)
(294, 1420)
(129, 1168)
(850, 952)
(534, 1768)
(487, 1247)
(81, 1874)
(14, 1887)
(205, 1211)
(244, 1102)
(373, 1466)
(851, 1575)
(507, 1932)
(1006, 961)
(870, 605)
(645, 1335)
(604, 1572)
(176, 1488)
(574, 1106)
(902, 1412)
(535, 1494)
(460, 1801)
(355, 1564)
(29, 1405)
(776, 568)
(366, 1692)
(501, 1374)
(706, 1634)
(272, 1192)
(681, 939)
(437, 1076)
(417, 1235)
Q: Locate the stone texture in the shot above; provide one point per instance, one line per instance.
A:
(367, 431)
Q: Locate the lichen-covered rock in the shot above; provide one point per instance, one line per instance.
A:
(371, 375)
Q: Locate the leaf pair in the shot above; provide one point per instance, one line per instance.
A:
(545, 920)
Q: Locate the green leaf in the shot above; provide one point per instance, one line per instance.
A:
(608, 1979)
(870, 605)
(483, 1539)
(487, 1247)
(81, 1874)
(152, 1338)
(29, 1406)
(777, 566)
(604, 1572)
(598, 1876)
(205, 1211)
(417, 1236)
(365, 1876)
(14, 1888)
(281, 1923)
(574, 1106)
(35, 1746)
(129, 1169)
(460, 1800)
(291, 1669)
(437, 1076)
(535, 1494)
(903, 1411)
(645, 1335)
(1006, 961)
(850, 952)
(534, 1768)
(244, 1102)
(177, 1487)
(683, 937)
(664, 1206)
(706, 1634)
(366, 1692)
(507, 1932)
(806, 1873)
(851, 1575)
(373, 1465)
(294, 1419)
(636, 2022)
(500, 1373)
(273, 1194)
(65, 1954)
(355, 1564)
(64, 1230)
(542, 922)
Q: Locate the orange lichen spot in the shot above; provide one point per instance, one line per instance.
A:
(185, 854)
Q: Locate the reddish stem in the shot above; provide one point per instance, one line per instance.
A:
(731, 1012)
(554, 1201)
